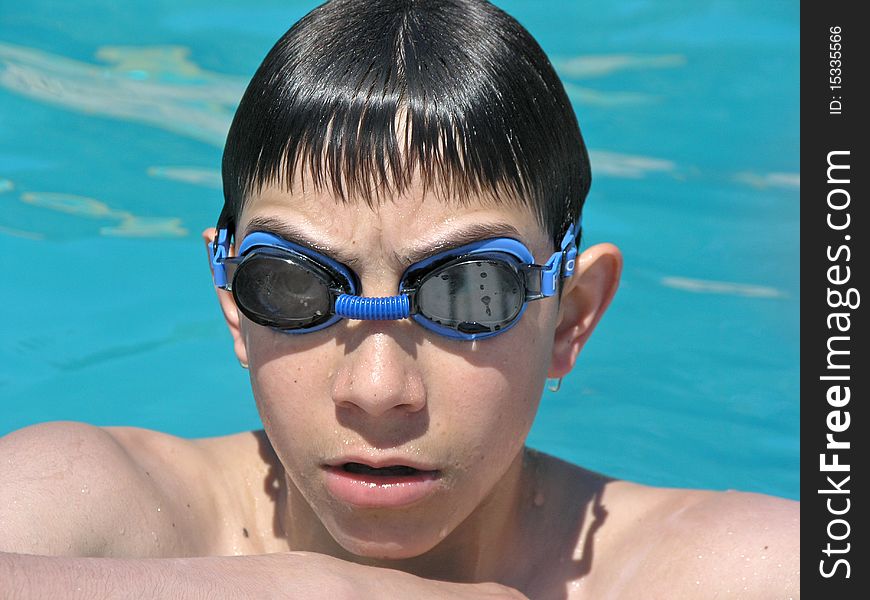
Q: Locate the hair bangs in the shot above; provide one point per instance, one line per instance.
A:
(365, 97)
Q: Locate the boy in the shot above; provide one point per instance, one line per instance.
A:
(397, 264)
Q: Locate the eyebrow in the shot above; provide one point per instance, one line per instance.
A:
(452, 239)
(459, 237)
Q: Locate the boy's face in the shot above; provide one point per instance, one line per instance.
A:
(391, 392)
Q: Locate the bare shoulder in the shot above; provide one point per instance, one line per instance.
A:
(64, 489)
(606, 538)
(78, 490)
(219, 491)
(675, 543)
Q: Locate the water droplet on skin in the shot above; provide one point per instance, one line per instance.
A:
(539, 499)
(483, 275)
(445, 277)
(481, 286)
(86, 489)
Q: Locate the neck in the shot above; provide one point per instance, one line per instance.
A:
(482, 548)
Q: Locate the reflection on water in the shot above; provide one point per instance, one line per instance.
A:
(588, 67)
(20, 233)
(129, 225)
(195, 175)
(703, 286)
(158, 86)
(584, 67)
(762, 181)
(625, 165)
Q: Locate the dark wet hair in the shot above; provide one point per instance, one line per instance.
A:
(363, 95)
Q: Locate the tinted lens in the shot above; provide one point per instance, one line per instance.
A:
(472, 296)
(282, 292)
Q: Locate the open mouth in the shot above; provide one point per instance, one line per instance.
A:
(391, 471)
(389, 486)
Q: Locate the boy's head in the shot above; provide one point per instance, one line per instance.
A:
(362, 98)
(375, 135)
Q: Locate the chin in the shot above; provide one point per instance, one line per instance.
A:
(379, 538)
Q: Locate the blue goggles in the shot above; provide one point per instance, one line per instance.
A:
(474, 291)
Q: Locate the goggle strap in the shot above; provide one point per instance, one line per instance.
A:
(561, 264)
(570, 238)
(217, 253)
(389, 308)
(550, 275)
(569, 262)
(570, 243)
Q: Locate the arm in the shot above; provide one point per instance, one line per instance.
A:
(713, 545)
(753, 542)
(294, 575)
(70, 489)
(72, 497)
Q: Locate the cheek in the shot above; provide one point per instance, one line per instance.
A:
(289, 379)
(484, 396)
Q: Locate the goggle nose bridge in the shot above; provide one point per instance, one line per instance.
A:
(388, 308)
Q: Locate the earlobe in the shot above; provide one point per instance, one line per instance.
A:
(585, 298)
(227, 304)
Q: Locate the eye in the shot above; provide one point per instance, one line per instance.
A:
(486, 292)
(281, 291)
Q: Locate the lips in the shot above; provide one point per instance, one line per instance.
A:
(385, 484)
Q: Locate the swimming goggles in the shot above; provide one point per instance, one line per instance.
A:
(474, 291)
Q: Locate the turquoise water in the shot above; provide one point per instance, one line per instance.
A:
(112, 118)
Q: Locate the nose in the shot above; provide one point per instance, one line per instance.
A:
(379, 376)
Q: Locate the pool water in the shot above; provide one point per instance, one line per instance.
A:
(112, 118)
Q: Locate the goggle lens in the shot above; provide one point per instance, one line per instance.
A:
(472, 296)
(282, 292)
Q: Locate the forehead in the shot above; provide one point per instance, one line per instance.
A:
(405, 227)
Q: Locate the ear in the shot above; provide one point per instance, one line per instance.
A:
(585, 297)
(228, 305)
